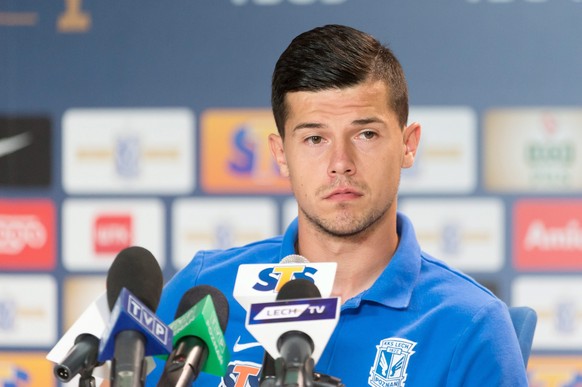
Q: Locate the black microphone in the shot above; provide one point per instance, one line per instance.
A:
(296, 347)
(81, 359)
(268, 376)
(134, 287)
(199, 345)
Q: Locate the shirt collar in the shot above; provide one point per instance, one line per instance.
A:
(395, 285)
(289, 239)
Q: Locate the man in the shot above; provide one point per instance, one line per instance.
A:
(340, 102)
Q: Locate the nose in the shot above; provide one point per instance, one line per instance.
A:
(342, 159)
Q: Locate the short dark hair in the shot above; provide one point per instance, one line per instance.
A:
(336, 57)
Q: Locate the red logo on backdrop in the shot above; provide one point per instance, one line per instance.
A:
(548, 234)
(27, 234)
(112, 233)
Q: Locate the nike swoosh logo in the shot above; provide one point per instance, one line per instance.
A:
(12, 144)
(241, 347)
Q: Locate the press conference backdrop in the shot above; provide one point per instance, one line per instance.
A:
(145, 123)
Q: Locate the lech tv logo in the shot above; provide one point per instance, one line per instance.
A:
(316, 317)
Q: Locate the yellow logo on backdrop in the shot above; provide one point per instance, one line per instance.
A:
(559, 371)
(235, 155)
(73, 19)
(24, 369)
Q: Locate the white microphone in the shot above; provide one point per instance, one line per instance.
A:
(294, 330)
(261, 282)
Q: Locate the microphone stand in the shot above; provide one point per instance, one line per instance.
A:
(304, 377)
(86, 378)
(322, 380)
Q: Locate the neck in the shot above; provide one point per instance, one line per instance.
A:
(360, 258)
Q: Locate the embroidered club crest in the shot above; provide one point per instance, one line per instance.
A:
(389, 369)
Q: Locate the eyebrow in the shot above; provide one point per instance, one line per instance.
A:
(358, 122)
(308, 125)
(367, 121)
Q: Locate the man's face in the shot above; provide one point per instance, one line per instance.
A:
(343, 151)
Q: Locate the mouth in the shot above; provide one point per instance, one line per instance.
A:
(343, 194)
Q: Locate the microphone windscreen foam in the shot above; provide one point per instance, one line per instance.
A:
(297, 289)
(196, 294)
(294, 258)
(135, 269)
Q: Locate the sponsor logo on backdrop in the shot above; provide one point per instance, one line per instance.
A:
(556, 301)
(95, 231)
(27, 234)
(18, 19)
(535, 150)
(25, 152)
(25, 369)
(466, 233)
(548, 234)
(202, 224)
(446, 160)
(27, 310)
(112, 233)
(74, 19)
(564, 371)
(128, 151)
(235, 154)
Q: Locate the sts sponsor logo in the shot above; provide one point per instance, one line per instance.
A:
(241, 374)
(389, 368)
(273, 278)
(235, 154)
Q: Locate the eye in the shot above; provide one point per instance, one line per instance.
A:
(367, 135)
(314, 139)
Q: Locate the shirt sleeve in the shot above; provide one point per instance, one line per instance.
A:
(488, 352)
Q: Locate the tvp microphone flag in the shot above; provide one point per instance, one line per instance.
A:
(134, 286)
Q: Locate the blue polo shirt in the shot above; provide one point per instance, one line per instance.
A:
(421, 323)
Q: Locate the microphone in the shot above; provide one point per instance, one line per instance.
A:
(302, 323)
(296, 347)
(199, 344)
(81, 359)
(261, 282)
(134, 287)
(76, 352)
(268, 377)
(294, 258)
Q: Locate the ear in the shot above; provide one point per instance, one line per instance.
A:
(411, 136)
(278, 152)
